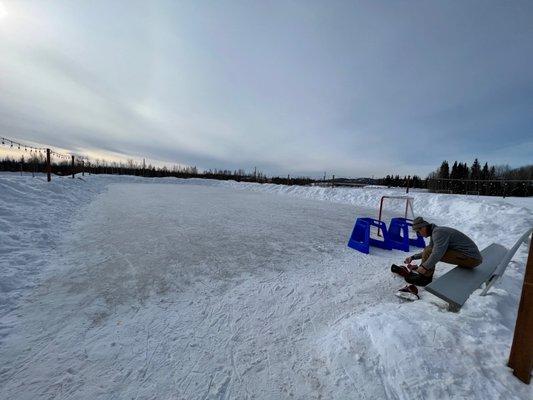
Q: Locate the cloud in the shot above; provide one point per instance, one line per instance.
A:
(350, 88)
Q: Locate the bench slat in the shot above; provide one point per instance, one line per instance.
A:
(458, 284)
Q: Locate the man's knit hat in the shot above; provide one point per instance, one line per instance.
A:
(419, 223)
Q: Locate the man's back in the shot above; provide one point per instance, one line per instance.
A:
(455, 240)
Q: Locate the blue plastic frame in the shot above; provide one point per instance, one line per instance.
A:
(360, 238)
(399, 234)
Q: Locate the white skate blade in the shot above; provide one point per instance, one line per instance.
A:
(407, 296)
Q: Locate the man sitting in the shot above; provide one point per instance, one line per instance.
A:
(446, 244)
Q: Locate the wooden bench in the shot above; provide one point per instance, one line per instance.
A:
(456, 286)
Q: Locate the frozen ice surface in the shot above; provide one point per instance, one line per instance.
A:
(122, 287)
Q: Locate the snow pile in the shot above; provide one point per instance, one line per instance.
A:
(125, 287)
(33, 215)
(422, 351)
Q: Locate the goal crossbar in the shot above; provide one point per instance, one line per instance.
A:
(408, 206)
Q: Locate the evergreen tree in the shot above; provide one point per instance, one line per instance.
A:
(475, 170)
(458, 171)
(464, 171)
(453, 174)
(444, 171)
(485, 172)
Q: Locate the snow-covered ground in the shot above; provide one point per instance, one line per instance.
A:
(129, 288)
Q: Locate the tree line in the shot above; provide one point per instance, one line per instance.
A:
(37, 164)
(476, 172)
(488, 180)
(496, 180)
(406, 181)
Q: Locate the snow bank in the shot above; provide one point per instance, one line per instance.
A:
(421, 351)
(33, 215)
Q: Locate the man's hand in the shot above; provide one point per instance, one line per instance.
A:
(408, 260)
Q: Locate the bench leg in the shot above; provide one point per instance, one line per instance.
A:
(454, 307)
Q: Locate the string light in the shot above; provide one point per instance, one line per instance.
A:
(39, 150)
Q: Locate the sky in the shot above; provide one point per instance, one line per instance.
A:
(351, 88)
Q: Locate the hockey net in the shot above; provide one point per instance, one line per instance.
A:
(395, 206)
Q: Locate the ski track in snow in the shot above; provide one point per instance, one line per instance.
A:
(219, 290)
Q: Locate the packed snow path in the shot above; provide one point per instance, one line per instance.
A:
(190, 292)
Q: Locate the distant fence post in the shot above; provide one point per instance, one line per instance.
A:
(521, 356)
(82, 167)
(333, 181)
(48, 166)
(73, 167)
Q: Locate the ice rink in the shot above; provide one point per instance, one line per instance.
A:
(199, 291)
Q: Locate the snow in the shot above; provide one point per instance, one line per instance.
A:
(117, 287)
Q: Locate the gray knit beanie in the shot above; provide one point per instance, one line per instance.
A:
(419, 222)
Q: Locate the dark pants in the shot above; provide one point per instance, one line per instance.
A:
(453, 257)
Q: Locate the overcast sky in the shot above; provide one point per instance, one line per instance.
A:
(354, 88)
